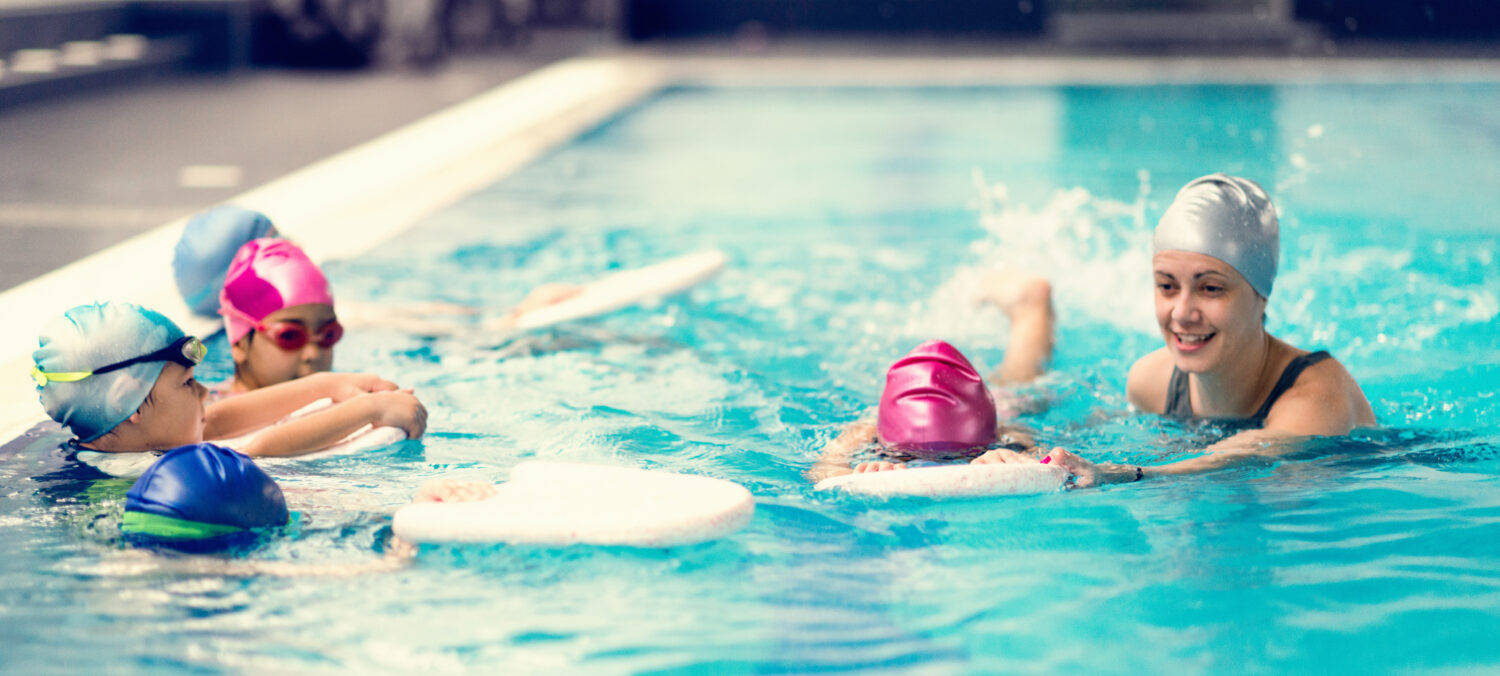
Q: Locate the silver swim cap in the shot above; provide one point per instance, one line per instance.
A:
(1229, 218)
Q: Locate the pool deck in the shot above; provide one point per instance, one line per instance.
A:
(343, 204)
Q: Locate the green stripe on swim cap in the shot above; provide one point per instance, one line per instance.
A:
(1229, 218)
(156, 525)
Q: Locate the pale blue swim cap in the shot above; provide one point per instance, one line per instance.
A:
(1229, 218)
(88, 337)
(207, 246)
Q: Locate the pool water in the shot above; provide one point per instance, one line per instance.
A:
(857, 222)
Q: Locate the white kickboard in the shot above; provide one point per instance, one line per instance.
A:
(629, 287)
(362, 439)
(133, 465)
(561, 504)
(953, 481)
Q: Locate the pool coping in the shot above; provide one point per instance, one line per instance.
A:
(347, 204)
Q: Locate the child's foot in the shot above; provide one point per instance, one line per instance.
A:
(454, 490)
(1016, 292)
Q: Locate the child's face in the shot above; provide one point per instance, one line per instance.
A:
(173, 414)
(259, 361)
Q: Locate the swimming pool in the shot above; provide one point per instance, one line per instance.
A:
(856, 220)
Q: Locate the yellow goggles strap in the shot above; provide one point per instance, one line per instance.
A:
(42, 377)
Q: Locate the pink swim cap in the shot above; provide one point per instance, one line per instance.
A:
(935, 403)
(267, 275)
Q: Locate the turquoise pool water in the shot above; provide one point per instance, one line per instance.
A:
(857, 221)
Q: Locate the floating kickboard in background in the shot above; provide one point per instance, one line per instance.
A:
(628, 287)
(953, 481)
(559, 504)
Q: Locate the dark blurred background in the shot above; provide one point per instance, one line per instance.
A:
(357, 33)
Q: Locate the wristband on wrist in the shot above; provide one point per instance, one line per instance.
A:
(1140, 473)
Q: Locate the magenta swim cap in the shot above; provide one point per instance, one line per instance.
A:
(267, 275)
(935, 403)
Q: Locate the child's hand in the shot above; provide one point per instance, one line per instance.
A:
(1000, 456)
(544, 295)
(881, 466)
(349, 385)
(399, 409)
(454, 490)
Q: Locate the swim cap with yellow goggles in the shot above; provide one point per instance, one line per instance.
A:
(187, 350)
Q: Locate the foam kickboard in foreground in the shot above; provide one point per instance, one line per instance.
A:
(557, 504)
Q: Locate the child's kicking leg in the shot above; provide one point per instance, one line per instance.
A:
(1027, 300)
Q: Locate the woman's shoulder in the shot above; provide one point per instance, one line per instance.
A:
(1146, 384)
(1324, 399)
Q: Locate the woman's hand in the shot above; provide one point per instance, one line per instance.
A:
(1085, 473)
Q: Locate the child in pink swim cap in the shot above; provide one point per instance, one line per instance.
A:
(936, 406)
(278, 315)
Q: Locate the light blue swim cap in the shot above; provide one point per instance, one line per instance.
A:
(1229, 218)
(88, 337)
(207, 246)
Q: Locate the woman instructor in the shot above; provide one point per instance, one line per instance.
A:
(1216, 250)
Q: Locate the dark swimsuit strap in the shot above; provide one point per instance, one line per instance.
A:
(1287, 380)
(1180, 406)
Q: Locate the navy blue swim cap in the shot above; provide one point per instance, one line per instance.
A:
(203, 494)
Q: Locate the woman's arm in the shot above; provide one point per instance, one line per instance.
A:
(1251, 446)
(1326, 401)
(834, 459)
(327, 427)
(257, 408)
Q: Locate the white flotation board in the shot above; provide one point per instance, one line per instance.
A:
(953, 481)
(626, 288)
(119, 465)
(133, 465)
(557, 504)
(362, 439)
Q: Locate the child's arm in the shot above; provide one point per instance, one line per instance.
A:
(834, 459)
(327, 427)
(540, 297)
(257, 408)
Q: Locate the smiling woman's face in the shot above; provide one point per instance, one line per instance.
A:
(1208, 314)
